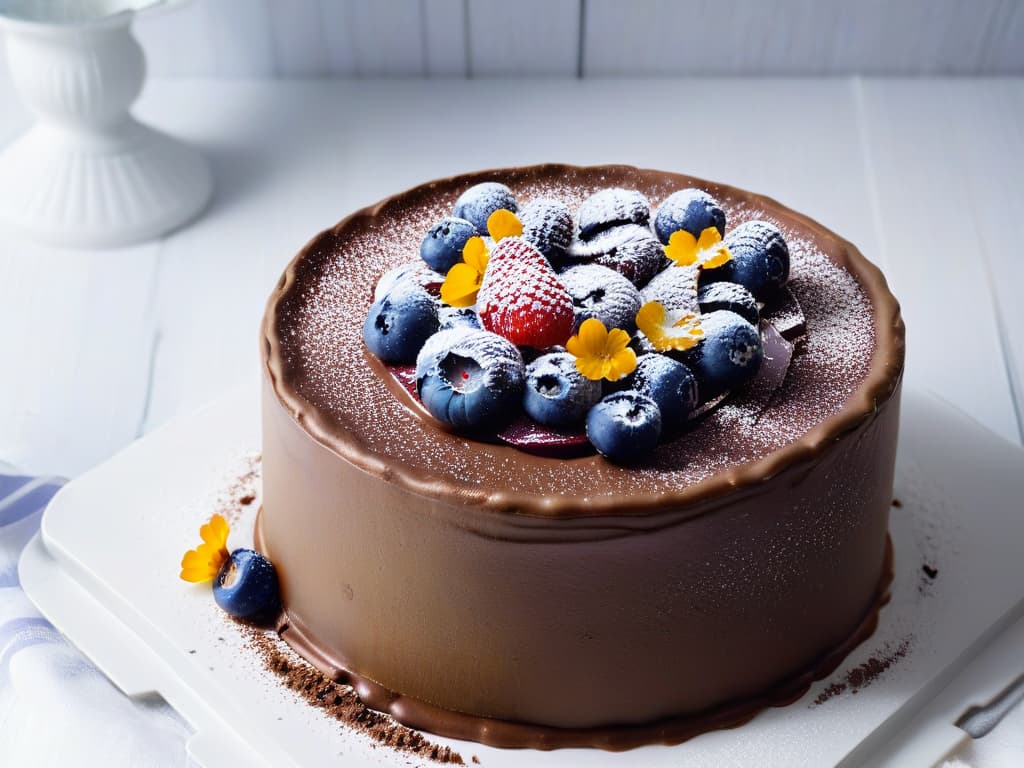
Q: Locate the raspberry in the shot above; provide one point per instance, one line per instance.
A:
(522, 299)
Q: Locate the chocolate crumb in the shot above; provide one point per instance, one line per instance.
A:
(248, 499)
(476, 759)
(930, 572)
(342, 702)
(897, 503)
(866, 673)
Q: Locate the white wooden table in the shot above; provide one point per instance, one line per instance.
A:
(926, 176)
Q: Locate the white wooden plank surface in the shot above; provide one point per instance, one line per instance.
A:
(527, 37)
(932, 239)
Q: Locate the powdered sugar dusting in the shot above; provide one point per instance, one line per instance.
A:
(325, 363)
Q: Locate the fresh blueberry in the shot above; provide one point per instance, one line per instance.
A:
(670, 384)
(469, 378)
(414, 274)
(691, 209)
(629, 249)
(624, 426)
(760, 258)
(728, 356)
(610, 208)
(547, 224)
(246, 586)
(731, 296)
(675, 288)
(397, 325)
(457, 317)
(601, 293)
(442, 246)
(556, 393)
(477, 203)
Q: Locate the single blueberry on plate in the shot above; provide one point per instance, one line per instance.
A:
(246, 586)
(547, 224)
(469, 378)
(624, 426)
(477, 203)
(670, 384)
(601, 293)
(397, 324)
(556, 394)
(728, 356)
(611, 208)
(414, 274)
(731, 296)
(442, 246)
(760, 258)
(691, 209)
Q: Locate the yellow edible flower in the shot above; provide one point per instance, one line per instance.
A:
(669, 330)
(464, 279)
(600, 353)
(204, 562)
(707, 252)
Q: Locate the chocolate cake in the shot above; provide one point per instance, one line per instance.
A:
(480, 590)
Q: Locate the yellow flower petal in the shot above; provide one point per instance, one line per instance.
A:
(215, 532)
(601, 354)
(682, 248)
(592, 368)
(195, 575)
(503, 223)
(474, 253)
(650, 317)
(593, 336)
(622, 364)
(203, 562)
(667, 331)
(617, 341)
(460, 285)
(708, 238)
(718, 257)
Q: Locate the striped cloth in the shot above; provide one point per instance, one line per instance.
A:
(56, 709)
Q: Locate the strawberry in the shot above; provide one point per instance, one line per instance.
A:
(522, 299)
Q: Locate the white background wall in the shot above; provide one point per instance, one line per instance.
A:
(300, 38)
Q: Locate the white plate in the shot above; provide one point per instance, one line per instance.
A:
(104, 570)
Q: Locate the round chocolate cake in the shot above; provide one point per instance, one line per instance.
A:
(495, 588)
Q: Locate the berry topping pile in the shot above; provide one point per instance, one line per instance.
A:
(618, 325)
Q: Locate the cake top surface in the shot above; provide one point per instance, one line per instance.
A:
(849, 360)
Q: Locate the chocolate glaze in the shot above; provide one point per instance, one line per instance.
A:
(573, 602)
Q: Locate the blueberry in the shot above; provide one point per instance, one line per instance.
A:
(478, 202)
(728, 356)
(731, 296)
(397, 324)
(556, 393)
(624, 426)
(457, 317)
(629, 249)
(414, 274)
(601, 293)
(246, 586)
(442, 246)
(469, 378)
(760, 258)
(691, 209)
(675, 288)
(610, 208)
(547, 224)
(668, 383)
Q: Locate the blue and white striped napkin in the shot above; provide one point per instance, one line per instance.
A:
(56, 709)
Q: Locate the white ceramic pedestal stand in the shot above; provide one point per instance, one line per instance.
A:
(88, 174)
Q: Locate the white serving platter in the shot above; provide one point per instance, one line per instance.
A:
(104, 571)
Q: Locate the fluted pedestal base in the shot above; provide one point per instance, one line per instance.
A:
(100, 189)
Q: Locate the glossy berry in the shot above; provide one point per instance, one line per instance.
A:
(547, 225)
(670, 384)
(522, 299)
(611, 208)
(414, 274)
(397, 324)
(442, 246)
(457, 317)
(603, 294)
(760, 258)
(246, 586)
(478, 202)
(629, 249)
(556, 394)
(469, 378)
(728, 356)
(731, 296)
(691, 209)
(624, 426)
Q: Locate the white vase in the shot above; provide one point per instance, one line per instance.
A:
(87, 173)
